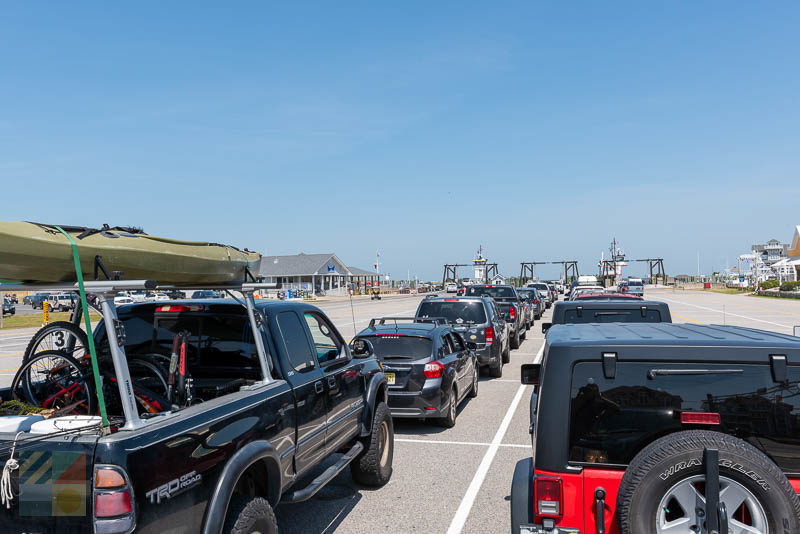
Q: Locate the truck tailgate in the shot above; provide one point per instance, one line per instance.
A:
(52, 486)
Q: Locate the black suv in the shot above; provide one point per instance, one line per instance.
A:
(510, 305)
(609, 311)
(479, 321)
(657, 428)
(429, 367)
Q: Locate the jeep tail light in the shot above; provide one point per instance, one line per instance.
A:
(512, 312)
(113, 500)
(433, 370)
(548, 496)
(489, 333)
(700, 418)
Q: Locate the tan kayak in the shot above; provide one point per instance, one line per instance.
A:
(31, 252)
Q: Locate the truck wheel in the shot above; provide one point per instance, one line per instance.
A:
(524, 334)
(521, 498)
(515, 340)
(507, 355)
(449, 420)
(250, 515)
(373, 467)
(663, 487)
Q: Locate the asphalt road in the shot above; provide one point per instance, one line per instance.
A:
(457, 480)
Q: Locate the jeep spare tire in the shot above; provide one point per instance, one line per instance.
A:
(663, 488)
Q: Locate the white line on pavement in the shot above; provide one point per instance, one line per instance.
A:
(460, 519)
(444, 442)
(726, 312)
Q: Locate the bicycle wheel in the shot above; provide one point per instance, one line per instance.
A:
(54, 380)
(146, 372)
(60, 336)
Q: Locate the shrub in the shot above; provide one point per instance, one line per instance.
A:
(790, 286)
(768, 284)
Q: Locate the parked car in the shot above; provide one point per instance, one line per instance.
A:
(553, 293)
(246, 428)
(37, 300)
(138, 296)
(537, 302)
(13, 298)
(429, 367)
(529, 297)
(157, 297)
(478, 320)
(175, 294)
(61, 302)
(608, 295)
(544, 292)
(207, 294)
(578, 290)
(635, 287)
(661, 428)
(8, 307)
(452, 287)
(509, 304)
(122, 298)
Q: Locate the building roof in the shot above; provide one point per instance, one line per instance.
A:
(302, 264)
(356, 271)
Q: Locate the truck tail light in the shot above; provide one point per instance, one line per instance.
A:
(548, 497)
(433, 370)
(180, 308)
(489, 333)
(512, 312)
(700, 418)
(113, 500)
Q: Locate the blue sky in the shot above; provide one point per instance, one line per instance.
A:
(538, 130)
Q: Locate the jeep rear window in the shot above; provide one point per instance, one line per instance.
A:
(390, 347)
(494, 292)
(455, 312)
(611, 316)
(611, 420)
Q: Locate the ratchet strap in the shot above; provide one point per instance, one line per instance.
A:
(98, 380)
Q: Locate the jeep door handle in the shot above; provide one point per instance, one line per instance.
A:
(600, 510)
(318, 387)
(332, 381)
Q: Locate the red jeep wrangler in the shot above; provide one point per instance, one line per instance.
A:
(664, 429)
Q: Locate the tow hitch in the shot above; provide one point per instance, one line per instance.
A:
(716, 514)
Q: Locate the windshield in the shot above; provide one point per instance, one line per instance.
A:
(496, 292)
(542, 287)
(635, 283)
(455, 312)
(527, 293)
(401, 347)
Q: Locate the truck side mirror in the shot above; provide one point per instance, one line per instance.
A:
(546, 327)
(361, 348)
(530, 373)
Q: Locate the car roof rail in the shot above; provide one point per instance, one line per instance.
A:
(438, 321)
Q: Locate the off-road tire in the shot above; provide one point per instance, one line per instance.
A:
(506, 357)
(42, 333)
(473, 391)
(676, 457)
(449, 420)
(515, 342)
(250, 515)
(496, 370)
(373, 466)
(524, 334)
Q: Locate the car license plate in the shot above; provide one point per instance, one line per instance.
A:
(390, 378)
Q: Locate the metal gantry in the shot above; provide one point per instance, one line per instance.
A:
(490, 270)
(527, 271)
(656, 267)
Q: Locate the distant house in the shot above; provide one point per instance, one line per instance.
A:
(499, 280)
(315, 272)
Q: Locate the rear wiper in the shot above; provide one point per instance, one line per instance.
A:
(652, 373)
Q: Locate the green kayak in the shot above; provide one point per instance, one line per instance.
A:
(32, 252)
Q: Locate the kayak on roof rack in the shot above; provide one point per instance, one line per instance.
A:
(34, 252)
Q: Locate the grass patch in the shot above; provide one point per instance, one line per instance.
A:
(725, 291)
(772, 297)
(35, 319)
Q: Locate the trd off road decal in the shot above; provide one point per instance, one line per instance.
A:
(695, 462)
(173, 487)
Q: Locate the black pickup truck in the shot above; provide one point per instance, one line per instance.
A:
(510, 305)
(272, 392)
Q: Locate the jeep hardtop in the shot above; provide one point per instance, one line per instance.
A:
(661, 428)
(609, 311)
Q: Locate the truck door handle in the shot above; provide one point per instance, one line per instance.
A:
(318, 387)
(600, 510)
(332, 381)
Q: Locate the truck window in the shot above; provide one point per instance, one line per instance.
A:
(611, 316)
(295, 341)
(326, 342)
(455, 312)
(494, 292)
(611, 420)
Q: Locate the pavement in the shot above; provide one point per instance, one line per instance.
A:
(458, 480)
